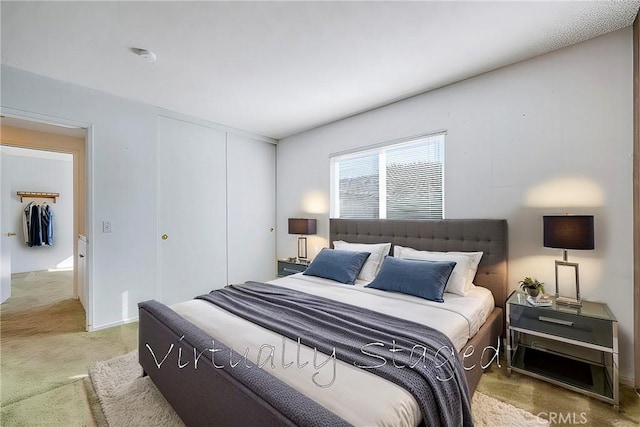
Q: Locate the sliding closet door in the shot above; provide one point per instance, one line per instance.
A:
(251, 199)
(192, 225)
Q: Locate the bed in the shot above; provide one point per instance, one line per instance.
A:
(171, 340)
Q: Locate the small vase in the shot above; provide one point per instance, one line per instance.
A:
(533, 292)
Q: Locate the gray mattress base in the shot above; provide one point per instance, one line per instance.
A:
(488, 337)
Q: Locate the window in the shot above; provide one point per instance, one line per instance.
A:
(398, 181)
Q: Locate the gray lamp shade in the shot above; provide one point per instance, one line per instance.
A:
(302, 226)
(568, 231)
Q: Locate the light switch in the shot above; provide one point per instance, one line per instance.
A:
(106, 226)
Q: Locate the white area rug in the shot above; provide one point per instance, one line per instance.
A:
(488, 412)
(127, 398)
(131, 400)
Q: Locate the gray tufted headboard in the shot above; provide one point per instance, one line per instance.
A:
(462, 235)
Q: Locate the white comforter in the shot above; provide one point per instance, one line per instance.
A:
(357, 395)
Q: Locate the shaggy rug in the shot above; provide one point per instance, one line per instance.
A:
(128, 399)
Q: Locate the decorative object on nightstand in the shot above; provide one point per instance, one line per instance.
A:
(304, 227)
(531, 286)
(568, 232)
(573, 347)
(540, 301)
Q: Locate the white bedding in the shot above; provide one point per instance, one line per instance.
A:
(357, 395)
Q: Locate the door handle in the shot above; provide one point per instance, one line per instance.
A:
(556, 321)
(9, 234)
(164, 237)
(81, 255)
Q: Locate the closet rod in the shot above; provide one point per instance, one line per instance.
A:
(37, 195)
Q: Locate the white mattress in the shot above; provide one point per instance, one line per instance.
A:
(357, 395)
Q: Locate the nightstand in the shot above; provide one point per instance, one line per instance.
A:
(287, 268)
(573, 347)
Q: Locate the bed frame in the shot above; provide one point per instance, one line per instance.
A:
(209, 396)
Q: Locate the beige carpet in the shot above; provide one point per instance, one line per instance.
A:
(541, 397)
(129, 400)
(46, 353)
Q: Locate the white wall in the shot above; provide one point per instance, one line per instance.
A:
(121, 189)
(122, 184)
(549, 135)
(33, 170)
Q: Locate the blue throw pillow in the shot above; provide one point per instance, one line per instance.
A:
(341, 266)
(421, 278)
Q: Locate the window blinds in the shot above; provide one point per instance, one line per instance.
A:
(398, 181)
(359, 187)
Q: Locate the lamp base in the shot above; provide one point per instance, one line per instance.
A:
(302, 248)
(571, 302)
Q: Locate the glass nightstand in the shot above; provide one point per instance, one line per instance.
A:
(573, 347)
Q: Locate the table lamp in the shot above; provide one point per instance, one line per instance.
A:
(304, 227)
(568, 232)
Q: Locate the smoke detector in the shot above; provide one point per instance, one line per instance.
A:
(146, 54)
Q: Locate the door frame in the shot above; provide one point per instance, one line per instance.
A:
(636, 199)
(78, 159)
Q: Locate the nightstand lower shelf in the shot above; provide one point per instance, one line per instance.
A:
(579, 375)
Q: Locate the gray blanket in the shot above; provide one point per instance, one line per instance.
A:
(416, 357)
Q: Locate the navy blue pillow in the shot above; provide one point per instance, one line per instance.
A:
(421, 278)
(341, 266)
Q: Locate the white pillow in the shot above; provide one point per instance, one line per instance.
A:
(461, 279)
(377, 251)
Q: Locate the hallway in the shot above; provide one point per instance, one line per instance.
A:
(46, 354)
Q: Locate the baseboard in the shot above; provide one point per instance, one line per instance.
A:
(627, 381)
(113, 324)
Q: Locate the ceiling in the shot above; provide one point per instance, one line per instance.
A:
(279, 68)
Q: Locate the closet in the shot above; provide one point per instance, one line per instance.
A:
(216, 209)
(251, 203)
(191, 209)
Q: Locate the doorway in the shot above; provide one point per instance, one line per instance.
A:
(55, 142)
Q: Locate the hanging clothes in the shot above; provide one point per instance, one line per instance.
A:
(47, 224)
(37, 224)
(26, 223)
(35, 227)
(44, 223)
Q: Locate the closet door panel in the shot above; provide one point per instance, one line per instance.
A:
(191, 209)
(5, 229)
(252, 209)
